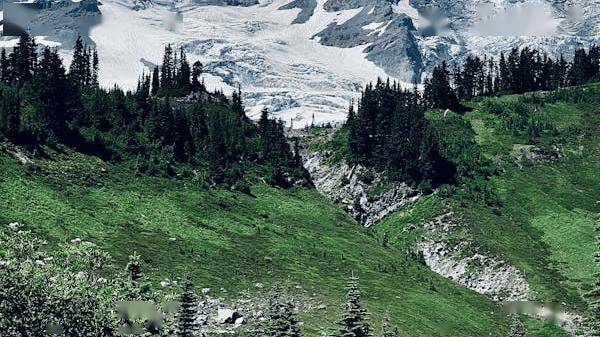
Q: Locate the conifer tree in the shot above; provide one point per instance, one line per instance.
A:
(24, 59)
(281, 318)
(184, 74)
(517, 329)
(95, 68)
(53, 94)
(187, 312)
(196, 73)
(581, 68)
(354, 321)
(236, 103)
(155, 81)
(5, 71)
(10, 113)
(167, 69)
(78, 70)
(139, 287)
(592, 321)
(438, 92)
(386, 328)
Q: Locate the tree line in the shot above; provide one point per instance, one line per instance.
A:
(388, 129)
(519, 71)
(169, 125)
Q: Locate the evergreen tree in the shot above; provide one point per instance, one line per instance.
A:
(79, 69)
(281, 318)
(95, 68)
(186, 315)
(167, 70)
(386, 328)
(236, 103)
(155, 81)
(53, 93)
(517, 329)
(24, 60)
(581, 69)
(184, 74)
(438, 92)
(592, 321)
(354, 321)
(10, 113)
(504, 74)
(138, 284)
(196, 73)
(5, 70)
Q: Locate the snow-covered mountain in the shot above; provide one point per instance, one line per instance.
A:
(310, 57)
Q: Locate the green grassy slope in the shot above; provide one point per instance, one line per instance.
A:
(231, 240)
(548, 210)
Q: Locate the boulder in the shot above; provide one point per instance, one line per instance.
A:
(225, 315)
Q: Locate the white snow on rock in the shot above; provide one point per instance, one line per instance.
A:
(278, 65)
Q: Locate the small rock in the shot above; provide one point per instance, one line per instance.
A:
(239, 321)
(205, 291)
(14, 226)
(259, 285)
(322, 307)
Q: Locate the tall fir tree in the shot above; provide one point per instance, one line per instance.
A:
(79, 69)
(167, 70)
(5, 70)
(281, 320)
(196, 73)
(354, 321)
(184, 74)
(24, 60)
(188, 310)
(386, 328)
(95, 68)
(155, 81)
(517, 329)
(10, 113)
(53, 93)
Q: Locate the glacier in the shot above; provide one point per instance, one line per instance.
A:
(305, 60)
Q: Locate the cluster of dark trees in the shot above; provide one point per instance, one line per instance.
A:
(522, 70)
(389, 130)
(170, 124)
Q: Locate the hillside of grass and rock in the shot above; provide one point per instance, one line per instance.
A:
(167, 211)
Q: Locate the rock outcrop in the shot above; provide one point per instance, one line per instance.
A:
(350, 185)
(479, 272)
